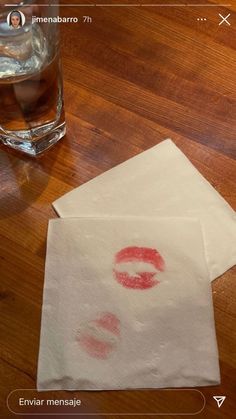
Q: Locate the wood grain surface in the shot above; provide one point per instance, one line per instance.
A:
(132, 77)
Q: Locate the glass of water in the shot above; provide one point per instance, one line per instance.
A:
(31, 92)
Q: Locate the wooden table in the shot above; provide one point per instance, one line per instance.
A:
(133, 76)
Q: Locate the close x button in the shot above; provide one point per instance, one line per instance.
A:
(224, 20)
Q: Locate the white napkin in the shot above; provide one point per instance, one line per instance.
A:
(126, 304)
(160, 181)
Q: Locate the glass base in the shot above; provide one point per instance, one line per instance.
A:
(43, 138)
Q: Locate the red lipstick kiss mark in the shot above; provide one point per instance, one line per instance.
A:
(100, 337)
(141, 280)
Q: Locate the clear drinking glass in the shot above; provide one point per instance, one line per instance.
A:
(31, 91)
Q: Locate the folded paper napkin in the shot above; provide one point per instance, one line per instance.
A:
(127, 304)
(160, 182)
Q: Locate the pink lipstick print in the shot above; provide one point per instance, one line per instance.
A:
(142, 278)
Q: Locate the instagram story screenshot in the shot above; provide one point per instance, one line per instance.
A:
(117, 209)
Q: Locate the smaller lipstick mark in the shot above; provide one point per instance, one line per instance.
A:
(109, 322)
(99, 338)
(95, 347)
(142, 279)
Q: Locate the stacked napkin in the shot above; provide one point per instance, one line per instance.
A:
(127, 296)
